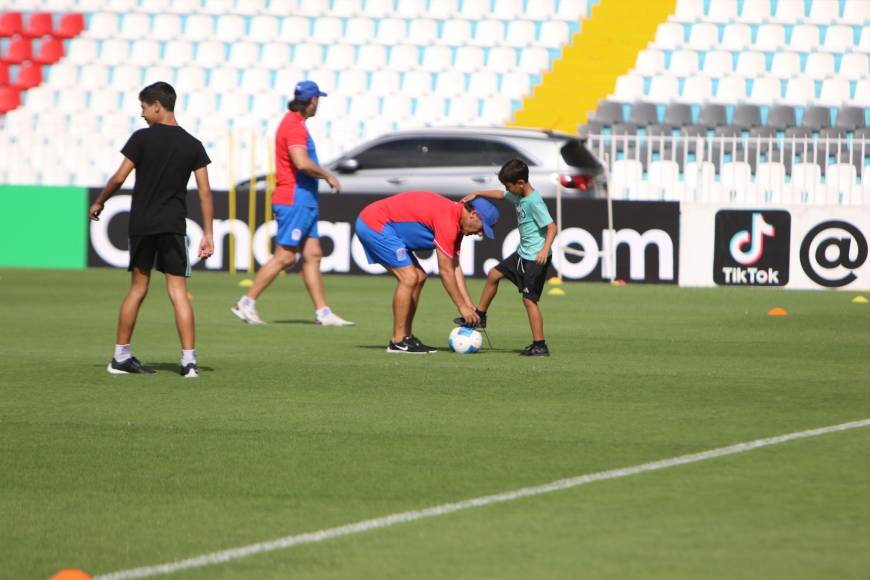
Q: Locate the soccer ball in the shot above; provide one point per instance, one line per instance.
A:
(464, 340)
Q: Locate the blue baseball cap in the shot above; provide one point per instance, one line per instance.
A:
(488, 214)
(307, 90)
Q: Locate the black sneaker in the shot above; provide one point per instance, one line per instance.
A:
(131, 366)
(535, 350)
(407, 345)
(460, 321)
(189, 371)
(416, 341)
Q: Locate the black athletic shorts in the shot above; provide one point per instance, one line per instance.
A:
(528, 275)
(168, 251)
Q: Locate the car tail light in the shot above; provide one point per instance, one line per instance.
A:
(582, 182)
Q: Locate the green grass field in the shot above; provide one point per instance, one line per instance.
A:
(295, 428)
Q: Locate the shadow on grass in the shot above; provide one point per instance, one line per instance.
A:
(293, 322)
(442, 349)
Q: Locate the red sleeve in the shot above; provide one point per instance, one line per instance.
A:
(448, 238)
(296, 135)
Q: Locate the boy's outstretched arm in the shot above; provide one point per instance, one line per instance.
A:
(112, 186)
(206, 246)
(487, 193)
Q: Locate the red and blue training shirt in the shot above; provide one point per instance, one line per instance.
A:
(293, 187)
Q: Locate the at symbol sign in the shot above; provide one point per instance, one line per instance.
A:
(822, 258)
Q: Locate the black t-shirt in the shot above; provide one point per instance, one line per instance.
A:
(164, 156)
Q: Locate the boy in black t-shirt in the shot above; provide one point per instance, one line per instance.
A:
(163, 155)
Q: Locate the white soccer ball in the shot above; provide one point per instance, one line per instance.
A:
(464, 340)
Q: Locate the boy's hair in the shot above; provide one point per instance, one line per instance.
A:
(513, 171)
(297, 105)
(159, 92)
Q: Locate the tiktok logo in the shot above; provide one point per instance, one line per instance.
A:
(751, 248)
(754, 237)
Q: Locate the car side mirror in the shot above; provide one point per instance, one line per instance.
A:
(347, 166)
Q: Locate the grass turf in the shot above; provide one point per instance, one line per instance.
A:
(295, 428)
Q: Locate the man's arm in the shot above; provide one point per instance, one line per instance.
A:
(541, 258)
(206, 246)
(487, 193)
(112, 186)
(454, 282)
(302, 162)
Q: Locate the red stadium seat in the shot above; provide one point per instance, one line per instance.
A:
(4, 74)
(10, 98)
(70, 25)
(29, 76)
(38, 24)
(17, 51)
(50, 51)
(10, 24)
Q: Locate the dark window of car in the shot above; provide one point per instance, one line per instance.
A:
(392, 154)
(450, 152)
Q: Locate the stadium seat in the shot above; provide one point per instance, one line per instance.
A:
(765, 90)
(410, 9)
(49, 52)
(339, 56)
(521, 33)
(126, 77)
(789, 11)
(554, 34)
(429, 109)
(202, 102)
(804, 38)
(678, 115)
(722, 12)
(482, 85)
(669, 36)
(855, 12)
(250, 7)
(391, 31)
(683, 63)
(233, 104)
(70, 25)
(781, 117)
(746, 116)
(823, 12)
(609, 113)
(572, 10)
(862, 93)
(384, 8)
(469, 59)
(755, 12)
(385, 82)
(785, 65)
(144, 52)
(838, 38)
(816, 118)
(850, 118)
(294, 29)
(737, 37)
(255, 80)
(718, 63)
(819, 65)
(436, 59)
(29, 76)
(496, 111)
(423, 32)
(463, 110)
(704, 36)
(696, 89)
(515, 85)
(628, 88)
(456, 33)
(501, 59)
(115, 51)
(93, 76)
(347, 8)
(38, 24)
(488, 32)
(737, 184)
(217, 7)
(153, 74)
(264, 28)
(190, 79)
(771, 182)
(799, 91)
(650, 62)
(626, 177)
(417, 83)
(327, 30)
(18, 50)
(730, 90)
(854, 65)
(751, 64)
(359, 31)
(397, 107)
(404, 57)
(199, 27)
(664, 180)
(507, 9)
(699, 177)
(643, 114)
(770, 38)
(134, 25)
(11, 24)
(166, 27)
(543, 10)
(663, 89)
(835, 92)
(689, 11)
(841, 186)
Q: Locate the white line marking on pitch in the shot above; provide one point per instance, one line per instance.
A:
(404, 517)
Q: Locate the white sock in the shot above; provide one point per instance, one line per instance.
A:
(122, 352)
(325, 311)
(246, 301)
(188, 356)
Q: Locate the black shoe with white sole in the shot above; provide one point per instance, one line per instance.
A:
(535, 350)
(460, 321)
(189, 371)
(409, 345)
(131, 366)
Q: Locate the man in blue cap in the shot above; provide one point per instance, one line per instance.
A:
(296, 210)
(392, 228)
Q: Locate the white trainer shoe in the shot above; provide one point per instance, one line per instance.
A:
(332, 319)
(247, 314)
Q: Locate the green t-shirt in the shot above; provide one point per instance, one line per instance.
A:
(533, 219)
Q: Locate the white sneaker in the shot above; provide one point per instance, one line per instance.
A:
(246, 314)
(332, 319)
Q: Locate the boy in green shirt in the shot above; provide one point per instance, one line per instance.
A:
(527, 267)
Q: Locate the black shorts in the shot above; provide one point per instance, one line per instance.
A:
(169, 251)
(528, 275)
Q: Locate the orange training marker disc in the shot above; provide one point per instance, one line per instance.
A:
(71, 574)
(777, 312)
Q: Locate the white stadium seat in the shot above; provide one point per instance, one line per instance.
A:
(417, 83)
(736, 177)
(799, 92)
(834, 93)
(669, 36)
(736, 37)
(730, 90)
(804, 38)
(423, 32)
(178, 52)
(770, 182)
(166, 27)
(294, 29)
(397, 107)
(689, 10)
(522, 33)
(60, 75)
(785, 65)
(385, 82)
(327, 30)
(352, 81)
(223, 79)
(722, 12)
(755, 12)
(436, 58)
(463, 109)
(496, 110)
(514, 85)
(697, 89)
(339, 56)
(230, 28)
(450, 84)
(275, 55)
(765, 91)
(473, 10)
(628, 88)
(854, 65)
(718, 63)
(572, 10)
(751, 64)
(210, 53)
(789, 11)
(663, 89)
(250, 7)
(104, 25)
(469, 58)
(443, 9)
(378, 8)
(501, 59)
(819, 65)
(683, 63)
(264, 28)
(554, 34)
(626, 178)
(534, 59)
(93, 76)
(255, 80)
(233, 104)
(664, 180)
(429, 109)
(286, 79)
(864, 41)
(134, 25)
(841, 185)
(704, 36)
(82, 51)
(114, 51)
(483, 84)
(307, 55)
(489, 32)
(199, 27)
(456, 33)
(839, 38)
(824, 12)
(346, 8)
(508, 9)
(127, 77)
(410, 9)
(153, 74)
(806, 183)
(650, 62)
(855, 12)
(770, 38)
(244, 54)
(404, 57)
(391, 31)
(543, 10)
(190, 79)
(699, 178)
(359, 30)
(217, 7)
(365, 106)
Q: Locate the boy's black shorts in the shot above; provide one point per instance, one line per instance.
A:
(528, 275)
(168, 251)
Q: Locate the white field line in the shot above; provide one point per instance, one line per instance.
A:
(404, 517)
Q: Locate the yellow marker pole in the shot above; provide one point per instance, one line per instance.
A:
(252, 200)
(232, 202)
(270, 182)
